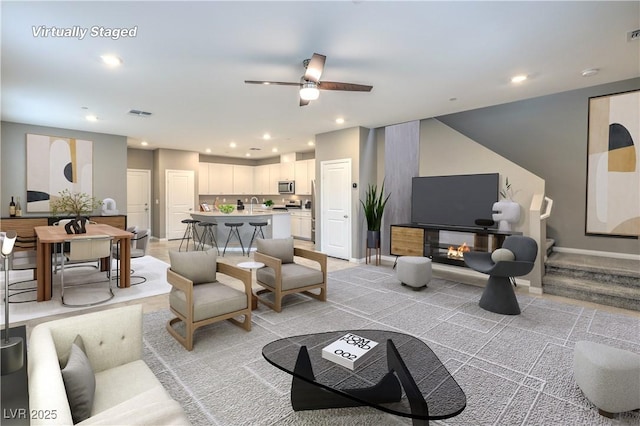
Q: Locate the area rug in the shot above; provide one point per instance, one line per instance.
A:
(148, 267)
(515, 370)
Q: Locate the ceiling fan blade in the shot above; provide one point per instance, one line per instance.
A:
(335, 85)
(277, 83)
(315, 68)
(303, 102)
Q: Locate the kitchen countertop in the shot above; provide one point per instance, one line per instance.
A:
(245, 212)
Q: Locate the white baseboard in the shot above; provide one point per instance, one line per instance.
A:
(612, 254)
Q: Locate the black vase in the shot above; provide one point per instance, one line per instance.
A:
(373, 239)
(76, 226)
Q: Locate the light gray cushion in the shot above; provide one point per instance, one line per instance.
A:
(197, 266)
(210, 300)
(502, 254)
(293, 276)
(282, 248)
(79, 382)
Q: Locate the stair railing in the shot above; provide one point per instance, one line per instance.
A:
(539, 212)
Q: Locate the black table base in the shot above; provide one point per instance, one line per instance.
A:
(308, 396)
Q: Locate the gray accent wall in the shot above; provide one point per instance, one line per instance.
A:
(141, 159)
(163, 160)
(337, 145)
(548, 136)
(401, 165)
(109, 163)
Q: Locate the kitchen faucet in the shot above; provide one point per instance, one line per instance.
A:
(251, 203)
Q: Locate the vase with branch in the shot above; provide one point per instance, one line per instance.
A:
(76, 204)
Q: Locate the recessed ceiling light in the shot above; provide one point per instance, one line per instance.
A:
(589, 72)
(266, 136)
(274, 149)
(518, 78)
(232, 144)
(247, 155)
(111, 60)
(340, 120)
(310, 143)
(91, 118)
(144, 143)
(208, 150)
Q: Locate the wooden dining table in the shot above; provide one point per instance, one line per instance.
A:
(50, 235)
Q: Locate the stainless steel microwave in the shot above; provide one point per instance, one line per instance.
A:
(286, 187)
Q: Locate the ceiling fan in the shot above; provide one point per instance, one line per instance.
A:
(310, 84)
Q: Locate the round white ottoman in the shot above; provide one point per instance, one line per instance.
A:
(414, 271)
(609, 377)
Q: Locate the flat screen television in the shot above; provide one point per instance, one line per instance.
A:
(457, 200)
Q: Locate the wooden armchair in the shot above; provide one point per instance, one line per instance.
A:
(282, 276)
(198, 298)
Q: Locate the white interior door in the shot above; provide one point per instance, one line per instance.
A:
(336, 208)
(139, 198)
(180, 201)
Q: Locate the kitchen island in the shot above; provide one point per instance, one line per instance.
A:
(278, 225)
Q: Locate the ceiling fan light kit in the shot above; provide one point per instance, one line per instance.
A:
(309, 91)
(310, 84)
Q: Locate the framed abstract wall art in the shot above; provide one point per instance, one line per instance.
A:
(55, 164)
(613, 165)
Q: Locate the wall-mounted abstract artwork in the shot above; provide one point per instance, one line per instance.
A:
(613, 165)
(55, 164)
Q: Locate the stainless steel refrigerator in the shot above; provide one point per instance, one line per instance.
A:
(313, 210)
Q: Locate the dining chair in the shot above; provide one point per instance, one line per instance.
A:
(87, 249)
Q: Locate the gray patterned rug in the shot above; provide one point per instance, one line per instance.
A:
(515, 370)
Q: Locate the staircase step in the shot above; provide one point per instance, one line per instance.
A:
(592, 291)
(595, 264)
(595, 275)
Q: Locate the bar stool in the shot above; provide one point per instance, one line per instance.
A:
(189, 233)
(233, 227)
(208, 233)
(257, 229)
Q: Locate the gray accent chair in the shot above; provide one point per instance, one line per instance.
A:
(282, 276)
(198, 298)
(498, 295)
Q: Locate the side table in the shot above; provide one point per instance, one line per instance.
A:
(252, 266)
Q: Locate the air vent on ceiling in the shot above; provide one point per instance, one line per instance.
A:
(633, 35)
(139, 113)
(255, 149)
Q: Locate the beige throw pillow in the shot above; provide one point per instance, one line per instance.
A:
(502, 254)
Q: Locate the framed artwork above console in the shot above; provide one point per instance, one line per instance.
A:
(54, 164)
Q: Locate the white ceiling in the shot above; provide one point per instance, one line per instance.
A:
(188, 62)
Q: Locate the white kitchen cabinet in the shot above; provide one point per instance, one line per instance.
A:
(261, 180)
(287, 171)
(242, 180)
(274, 177)
(305, 226)
(203, 179)
(305, 171)
(220, 179)
(301, 224)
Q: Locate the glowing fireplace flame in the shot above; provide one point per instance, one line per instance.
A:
(458, 253)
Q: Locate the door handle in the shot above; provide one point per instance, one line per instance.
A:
(346, 217)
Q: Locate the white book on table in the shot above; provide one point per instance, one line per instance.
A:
(349, 350)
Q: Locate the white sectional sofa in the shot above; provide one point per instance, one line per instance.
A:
(126, 391)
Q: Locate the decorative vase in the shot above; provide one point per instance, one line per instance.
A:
(373, 239)
(76, 226)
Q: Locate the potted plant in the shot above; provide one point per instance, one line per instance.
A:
(76, 204)
(373, 206)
